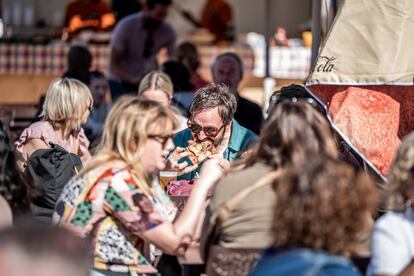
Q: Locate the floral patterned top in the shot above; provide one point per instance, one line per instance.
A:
(110, 207)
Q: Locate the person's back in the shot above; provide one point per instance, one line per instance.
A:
(255, 211)
(79, 61)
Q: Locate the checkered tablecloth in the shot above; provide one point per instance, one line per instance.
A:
(285, 62)
(25, 59)
(290, 63)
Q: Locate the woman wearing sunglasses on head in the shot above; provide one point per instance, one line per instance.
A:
(115, 200)
(238, 221)
(211, 119)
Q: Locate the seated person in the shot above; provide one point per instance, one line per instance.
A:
(243, 225)
(188, 55)
(321, 209)
(79, 62)
(32, 248)
(82, 14)
(228, 69)
(157, 86)
(211, 120)
(183, 88)
(94, 125)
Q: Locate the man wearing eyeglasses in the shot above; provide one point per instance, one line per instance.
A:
(211, 118)
(135, 43)
(228, 69)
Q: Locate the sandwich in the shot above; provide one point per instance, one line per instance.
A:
(198, 152)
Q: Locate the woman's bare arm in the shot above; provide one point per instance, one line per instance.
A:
(173, 238)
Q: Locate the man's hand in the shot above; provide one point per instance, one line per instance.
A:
(183, 167)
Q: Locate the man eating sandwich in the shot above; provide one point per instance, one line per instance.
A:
(212, 133)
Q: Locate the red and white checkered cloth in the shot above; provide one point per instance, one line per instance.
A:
(26, 59)
(285, 62)
(290, 62)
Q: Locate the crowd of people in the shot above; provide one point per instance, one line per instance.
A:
(80, 190)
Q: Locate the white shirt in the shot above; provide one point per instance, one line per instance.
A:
(392, 244)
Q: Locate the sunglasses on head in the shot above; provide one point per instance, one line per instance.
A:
(211, 132)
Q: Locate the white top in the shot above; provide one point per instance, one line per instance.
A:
(392, 244)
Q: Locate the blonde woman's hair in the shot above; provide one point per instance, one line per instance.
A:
(66, 102)
(156, 80)
(401, 174)
(130, 121)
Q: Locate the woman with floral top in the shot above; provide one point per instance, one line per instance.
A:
(114, 201)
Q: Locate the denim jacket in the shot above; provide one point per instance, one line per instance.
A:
(303, 262)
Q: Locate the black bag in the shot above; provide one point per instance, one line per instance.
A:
(50, 170)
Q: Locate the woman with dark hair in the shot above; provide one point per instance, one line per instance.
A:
(13, 186)
(239, 217)
(187, 54)
(319, 213)
(182, 86)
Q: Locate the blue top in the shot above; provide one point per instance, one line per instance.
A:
(303, 262)
(241, 139)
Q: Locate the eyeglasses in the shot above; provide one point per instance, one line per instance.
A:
(211, 132)
(163, 140)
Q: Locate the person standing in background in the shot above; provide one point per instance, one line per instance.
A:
(216, 16)
(135, 43)
(123, 8)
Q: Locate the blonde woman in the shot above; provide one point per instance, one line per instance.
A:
(116, 203)
(392, 243)
(67, 106)
(157, 86)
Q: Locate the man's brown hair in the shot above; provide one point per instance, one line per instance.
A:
(212, 96)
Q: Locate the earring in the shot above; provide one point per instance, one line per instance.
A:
(408, 203)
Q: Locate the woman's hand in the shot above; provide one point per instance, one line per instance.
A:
(212, 171)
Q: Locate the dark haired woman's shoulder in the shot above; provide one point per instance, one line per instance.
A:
(238, 180)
